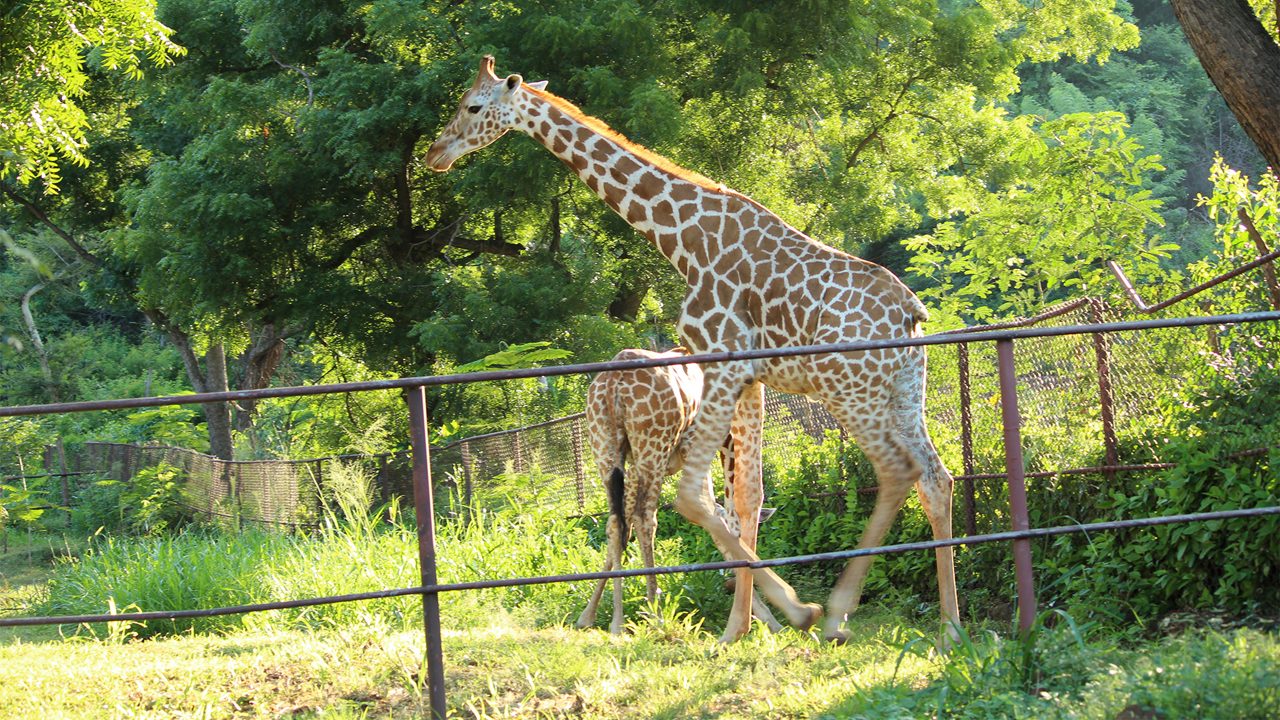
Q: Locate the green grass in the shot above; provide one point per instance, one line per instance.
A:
(27, 562)
(508, 652)
(673, 671)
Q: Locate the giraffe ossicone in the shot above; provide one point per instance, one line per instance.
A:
(754, 282)
(636, 421)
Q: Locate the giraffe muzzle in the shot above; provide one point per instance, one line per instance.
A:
(436, 159)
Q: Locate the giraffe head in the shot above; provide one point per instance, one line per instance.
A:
(485, 113)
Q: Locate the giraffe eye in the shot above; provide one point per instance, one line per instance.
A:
(473, 109)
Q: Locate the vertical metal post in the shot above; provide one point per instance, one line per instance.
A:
(384, 484)
(966, 442)
(424, 509)
(236, 494)
(579, 470)
(1106, 396)
(517, 450)
(466, 479)
(1268, 272)
(1017, 484)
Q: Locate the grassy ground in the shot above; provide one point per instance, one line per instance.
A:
(512, 667)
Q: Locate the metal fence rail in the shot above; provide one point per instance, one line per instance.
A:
(1028, 534)
(423, 490)
(1110, 383)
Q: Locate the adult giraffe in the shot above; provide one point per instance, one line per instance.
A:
(754, 282)
(636, 422)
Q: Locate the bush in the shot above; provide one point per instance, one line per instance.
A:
(151, 503)
(1212, 431)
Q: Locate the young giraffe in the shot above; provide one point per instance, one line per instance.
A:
(636, 420)
(754, 282)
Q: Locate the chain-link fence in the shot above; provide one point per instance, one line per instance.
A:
(1087, 402)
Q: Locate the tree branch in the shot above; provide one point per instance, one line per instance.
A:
(44, 219)
(182, 342)
(348, 248)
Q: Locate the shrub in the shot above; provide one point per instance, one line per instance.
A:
(151, 503)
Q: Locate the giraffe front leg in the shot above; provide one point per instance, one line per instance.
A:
(744, 481)
(744, 494)
(694, 499)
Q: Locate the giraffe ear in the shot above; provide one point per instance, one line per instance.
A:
(513, 82)
(540, 85)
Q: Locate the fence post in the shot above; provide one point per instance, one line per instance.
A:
(466, 479)
(1268, 272)
(966, 442)
(1106, 395)
(233, 471)
(579, 471)
(517, 451)
(424, 509)
(1017, 484)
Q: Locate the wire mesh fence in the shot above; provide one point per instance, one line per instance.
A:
(1038, 372)
(1089, 401)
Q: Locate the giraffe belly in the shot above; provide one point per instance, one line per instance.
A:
(789, 375)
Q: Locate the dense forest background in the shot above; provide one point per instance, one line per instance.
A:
(233, 196)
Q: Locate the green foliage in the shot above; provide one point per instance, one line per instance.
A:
(991, 675)
(23, 505)
(97, 508)
(153, 500)
(1224, 675)
(152, 503)
(45, 55)
(1008, 258)
(515, 357)
(1226, 564)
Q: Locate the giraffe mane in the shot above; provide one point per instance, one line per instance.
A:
(637, 149)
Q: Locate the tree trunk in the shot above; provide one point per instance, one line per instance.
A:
(626, 304)
(1243, 61)
(51, 385)
(258, 365)
(217, 416)
(37, 343)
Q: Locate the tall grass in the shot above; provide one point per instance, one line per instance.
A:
(188, 570)
(356, 550)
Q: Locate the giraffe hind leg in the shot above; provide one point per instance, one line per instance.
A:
(613, 561)
(935, 488)
(897, 469)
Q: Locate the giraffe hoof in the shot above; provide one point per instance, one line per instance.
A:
(814, 615)
(837, 637)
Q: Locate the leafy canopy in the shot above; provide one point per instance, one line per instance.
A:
(47, 50)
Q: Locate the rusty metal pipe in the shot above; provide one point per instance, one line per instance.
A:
(425, 518)
(1017, 485)
(1143, 307)
(437, 380)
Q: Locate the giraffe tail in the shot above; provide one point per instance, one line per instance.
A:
(617, 503)
(917, 309)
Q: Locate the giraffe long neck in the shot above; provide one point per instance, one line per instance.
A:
(669, 205)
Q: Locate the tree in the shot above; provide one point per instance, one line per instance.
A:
(44, 53)
(1243, 60)
(1077, 199)
(267, 184)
